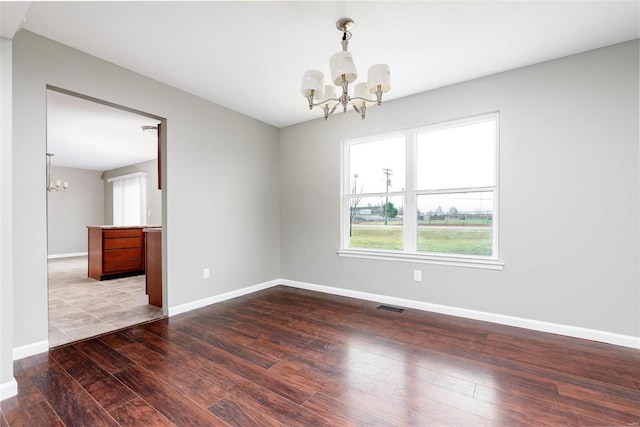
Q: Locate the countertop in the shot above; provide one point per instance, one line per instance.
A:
(116, 227)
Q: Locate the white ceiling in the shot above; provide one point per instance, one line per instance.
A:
(88, 135)
(250, 56)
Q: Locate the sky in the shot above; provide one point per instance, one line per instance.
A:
(446, 158)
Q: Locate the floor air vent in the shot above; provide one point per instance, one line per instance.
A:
(389, 308)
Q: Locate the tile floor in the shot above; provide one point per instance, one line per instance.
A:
(80, 307)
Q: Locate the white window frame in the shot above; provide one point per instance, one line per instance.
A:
(410, 221)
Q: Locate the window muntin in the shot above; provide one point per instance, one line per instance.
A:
(442, 182)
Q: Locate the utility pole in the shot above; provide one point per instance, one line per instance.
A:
(353, 203)
(388, 173)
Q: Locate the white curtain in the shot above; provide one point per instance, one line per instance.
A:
(129, 199)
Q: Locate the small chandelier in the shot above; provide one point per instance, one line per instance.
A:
(343, 72)
(58, 183)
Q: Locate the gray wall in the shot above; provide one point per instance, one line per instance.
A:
(154, 196)
(219, 165)
(569, 149)
(569, 195)
(7, 383)
(70, 211)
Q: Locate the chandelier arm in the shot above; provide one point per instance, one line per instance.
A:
(360, 110)
(324, 101)
(328, 111)
(362, 99)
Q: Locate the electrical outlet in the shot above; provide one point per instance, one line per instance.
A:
(417, 275)
(205, 273)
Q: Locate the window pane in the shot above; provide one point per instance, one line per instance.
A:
(369, 163)
(459, 223)
(376, 224)
(457, 157)
(129, 201)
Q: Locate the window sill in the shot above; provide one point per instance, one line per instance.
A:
(469, 262)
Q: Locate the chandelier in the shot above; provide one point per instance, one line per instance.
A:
(58, 183)
(343, 72)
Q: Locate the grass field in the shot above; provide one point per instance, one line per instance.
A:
(438, 240)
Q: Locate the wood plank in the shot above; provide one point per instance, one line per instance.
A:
(193, 386)
(80, 366)
(286, 387)
(115, 340)
(164, 329)
(40, 414)
(70, 401)
(166, 400)
(138, 413)
(247, 396)
(110, 393)
(342, 414)
(243, 413)
(27, 397)
(105, 356)
(230, 341)
(181, 355)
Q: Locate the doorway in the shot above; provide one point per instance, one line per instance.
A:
(89, 142)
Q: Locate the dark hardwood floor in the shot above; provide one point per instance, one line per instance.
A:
(287, 357)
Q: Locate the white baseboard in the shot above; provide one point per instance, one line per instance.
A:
(69, 255)
(536, 325)
(30, 349)
(8, 389)
(222, 297)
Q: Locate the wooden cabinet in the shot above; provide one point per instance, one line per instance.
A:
(153, 262)
(115, 252)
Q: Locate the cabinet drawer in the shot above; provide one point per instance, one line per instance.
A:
(122, 254)
(122, 265)
(123, 243)
(110, 234)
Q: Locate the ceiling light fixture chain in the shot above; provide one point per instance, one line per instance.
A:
(343, 72)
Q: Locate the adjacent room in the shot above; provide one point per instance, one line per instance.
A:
(102, 177)
(357, 213)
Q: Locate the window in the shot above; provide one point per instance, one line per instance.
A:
(129, 199)
(428, 194)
